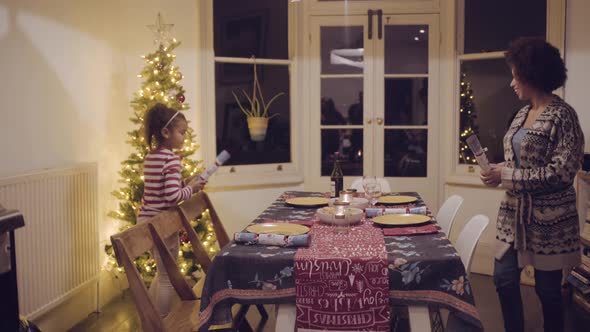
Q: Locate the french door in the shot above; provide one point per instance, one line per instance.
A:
(374, 93)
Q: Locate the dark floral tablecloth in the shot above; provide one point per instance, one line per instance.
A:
(423, 269)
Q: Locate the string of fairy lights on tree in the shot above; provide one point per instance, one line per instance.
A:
(161, 84)
(467, 120)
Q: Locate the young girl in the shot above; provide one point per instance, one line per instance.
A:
(163, 187)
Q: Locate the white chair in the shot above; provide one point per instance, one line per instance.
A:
(447, 212)
(358, 185)
(465, 245)
(469, 237)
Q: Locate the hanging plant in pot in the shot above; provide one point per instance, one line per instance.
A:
(256, 109)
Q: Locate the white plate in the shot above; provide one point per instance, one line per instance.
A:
(307, 201)
(278, 228)
(401, 219)
(353, 216)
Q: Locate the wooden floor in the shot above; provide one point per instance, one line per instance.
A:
(120, 315)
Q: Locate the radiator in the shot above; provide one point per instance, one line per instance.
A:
(57, 252)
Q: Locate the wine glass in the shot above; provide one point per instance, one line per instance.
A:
(373, 192)
(367, 181)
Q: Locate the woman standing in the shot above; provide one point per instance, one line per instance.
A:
(543, 149)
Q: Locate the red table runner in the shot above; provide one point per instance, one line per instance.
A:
(342, 280)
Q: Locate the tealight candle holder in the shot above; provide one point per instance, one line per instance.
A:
(346, 196)
(340, 212)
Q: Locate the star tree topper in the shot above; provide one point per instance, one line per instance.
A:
(161, 31)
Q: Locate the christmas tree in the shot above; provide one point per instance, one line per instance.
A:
(467, 119)
(160, 85)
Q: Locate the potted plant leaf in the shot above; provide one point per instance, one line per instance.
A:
(256, 109)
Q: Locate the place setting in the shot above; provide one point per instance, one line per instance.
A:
(282, 234)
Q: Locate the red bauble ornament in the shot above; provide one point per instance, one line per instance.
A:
(184, 237)
(180, 97)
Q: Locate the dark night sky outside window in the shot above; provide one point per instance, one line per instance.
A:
(242, 29)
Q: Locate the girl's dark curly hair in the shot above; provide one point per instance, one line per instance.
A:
(155, 120)
(536, 63)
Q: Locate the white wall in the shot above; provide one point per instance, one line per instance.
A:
(69, 70)
(577, 59)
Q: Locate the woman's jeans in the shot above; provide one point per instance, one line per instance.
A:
(547, 287)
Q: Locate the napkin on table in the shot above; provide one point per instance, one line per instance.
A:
(378, 211)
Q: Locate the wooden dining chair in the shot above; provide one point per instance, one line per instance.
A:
(134, 242)
(190, 210)
(148, 235)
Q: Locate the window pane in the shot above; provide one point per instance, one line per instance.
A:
(231, 124)
(342, 101)
(406, 101)
(349, 143)
(342, 50)
(491, 25)
(405, 152)
(487, 105)
(406, 49)
(243, 28)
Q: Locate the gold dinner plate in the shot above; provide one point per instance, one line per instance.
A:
(308, 201)
(396, 199)
(401, 219)
(278, 228)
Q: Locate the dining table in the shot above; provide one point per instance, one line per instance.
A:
(422, 270)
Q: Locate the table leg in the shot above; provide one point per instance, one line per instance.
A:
(286, 316)
(419, 318)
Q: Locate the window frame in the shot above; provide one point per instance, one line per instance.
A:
(355, 7)
(259, 174)
(555, 34)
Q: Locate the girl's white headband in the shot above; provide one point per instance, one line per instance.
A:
(172, 118)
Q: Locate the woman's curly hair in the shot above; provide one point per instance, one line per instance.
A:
(536, 63)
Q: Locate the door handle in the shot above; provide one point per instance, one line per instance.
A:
(369, 121)
(379, 121)
(379, 24)
(370, 15)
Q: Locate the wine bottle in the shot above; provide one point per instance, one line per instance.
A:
(337, 178)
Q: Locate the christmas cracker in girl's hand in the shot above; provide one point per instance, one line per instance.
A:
(220, 160)
(480, 155)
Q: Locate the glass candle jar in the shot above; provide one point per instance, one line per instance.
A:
(341, 206)
(346, 196)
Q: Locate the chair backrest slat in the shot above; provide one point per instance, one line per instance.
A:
(469, 237)
(137, 240)
(196, 205)
(198, 248)
(149, 315)
(447, 212)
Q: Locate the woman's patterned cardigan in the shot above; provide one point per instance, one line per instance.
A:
(538, 213)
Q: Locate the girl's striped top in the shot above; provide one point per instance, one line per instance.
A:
(163, 187)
